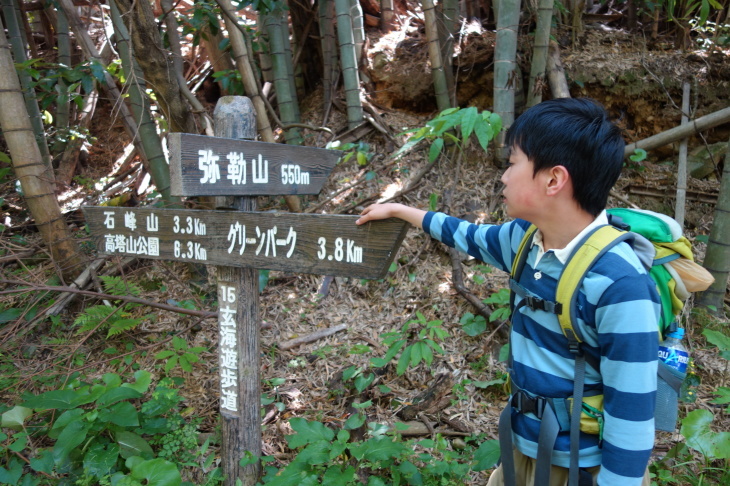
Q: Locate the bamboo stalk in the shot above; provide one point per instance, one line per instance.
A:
(443, 100)
(682, 161)
(540, 52)
(30, 169)
(17, 44)
(508, 18)
(678, 133)
(244, 66)
(348, 60)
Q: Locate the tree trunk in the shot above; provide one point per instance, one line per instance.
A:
(576, 9)
(307, 56)
(540, 52)
(34, 175)
(156, 64)
(219, 60)
(63, 104)
(17, 45)
(91, 53)
(348, 59)
(329, 48)
(140, 103)
(244, 66)
(717, 257)
(387, 15)
(556, 73)
(358, 28)
(508, 17)
(443, 100)
(448, 27)
(286, 98)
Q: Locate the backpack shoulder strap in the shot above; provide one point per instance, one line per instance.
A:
(519, 262)
(591, 248)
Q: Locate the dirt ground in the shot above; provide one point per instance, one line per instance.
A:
(639, 87)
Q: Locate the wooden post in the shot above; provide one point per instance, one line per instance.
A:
(239, 341)
(682, 161)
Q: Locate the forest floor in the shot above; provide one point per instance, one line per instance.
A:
(307, 380)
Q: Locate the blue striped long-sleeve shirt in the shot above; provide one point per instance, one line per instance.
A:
(617, 311)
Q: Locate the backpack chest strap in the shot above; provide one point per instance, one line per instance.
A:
(533, 301)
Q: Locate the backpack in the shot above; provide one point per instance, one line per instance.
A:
(658, 242)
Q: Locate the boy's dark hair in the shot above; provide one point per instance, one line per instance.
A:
(577, 134)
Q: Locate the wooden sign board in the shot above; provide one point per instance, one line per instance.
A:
(292, 242)
(213, 166)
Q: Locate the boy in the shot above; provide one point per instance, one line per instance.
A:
(565, 157)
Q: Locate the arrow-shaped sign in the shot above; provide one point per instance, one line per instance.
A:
(292, 242)
(213, 166)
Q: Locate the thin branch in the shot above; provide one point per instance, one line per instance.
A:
(125, 298)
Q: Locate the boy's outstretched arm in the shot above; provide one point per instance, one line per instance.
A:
(392, 210)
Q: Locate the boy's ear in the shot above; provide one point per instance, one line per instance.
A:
(557, 179)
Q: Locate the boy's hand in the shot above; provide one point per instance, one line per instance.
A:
(376, 212)
(392, 210)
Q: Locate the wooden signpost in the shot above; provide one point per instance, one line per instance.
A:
(239, 242)
(291, 242)
(211, 166)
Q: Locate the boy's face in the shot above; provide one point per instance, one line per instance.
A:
(522, 191)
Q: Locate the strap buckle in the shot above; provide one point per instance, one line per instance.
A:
(524, 403)
(536, 303)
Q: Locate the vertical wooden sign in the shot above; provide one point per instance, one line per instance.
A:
(239, 327)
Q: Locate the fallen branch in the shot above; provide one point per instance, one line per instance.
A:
(682, 131)
(125, 298)
(286, 345)
(556, 73)
(415, 429)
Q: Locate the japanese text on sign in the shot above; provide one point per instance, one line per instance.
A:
(227, 346)
(208, 164)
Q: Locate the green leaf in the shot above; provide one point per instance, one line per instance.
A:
(638, 155)
(123, 414)
(143, 380)
(164, 354)
(473, 325)
(185, 364)
(100, 460)
(405, 357)
(132, 444)
(117, 395)
(171, 363)
(54, 399)
(308, 432)
(469, 118)
(15, 417)
(484, 134)
(71, 437)
(723, 393)
(315, 453)
(416, 353)
(427, 353)
(496, 122)
(334, 476)
(9, 315)
(355, 421)
(487, 455)
(12, 474)
(700, 437)
(43, 461)
(717, 338)
(435, 150)
(157, 472)
(379, 449)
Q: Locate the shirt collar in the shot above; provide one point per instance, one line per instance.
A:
(562, 254)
